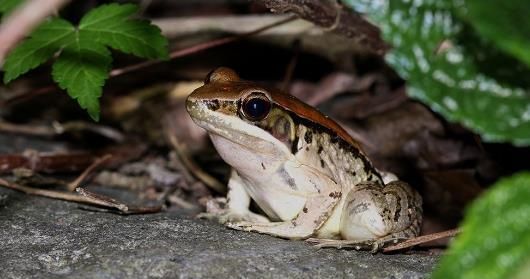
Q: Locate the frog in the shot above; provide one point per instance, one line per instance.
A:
(309, 178)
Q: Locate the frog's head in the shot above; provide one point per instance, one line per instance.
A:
(252, 126)
(248, 129)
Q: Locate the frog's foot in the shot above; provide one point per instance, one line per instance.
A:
(227, 216)
(217, 210)
(249, 226)
(373, 245)
(287, 229)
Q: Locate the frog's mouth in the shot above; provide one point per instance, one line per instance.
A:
(238, 131)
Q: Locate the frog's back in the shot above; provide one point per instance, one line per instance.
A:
(323, 144)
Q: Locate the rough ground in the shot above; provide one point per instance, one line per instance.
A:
(43, 238)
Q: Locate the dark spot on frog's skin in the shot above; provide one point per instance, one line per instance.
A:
(294, 146)
(322, 163)
(293, 222)
(308, 136)
(370, 177)
(314, 185)
(262, 165)
(353, 173)
(307, 148)
(288, 179)
(397, 215)
(335, 195)
(213, 105)
(335, 139)
(320, 149)
(304, 210)
(362, 207)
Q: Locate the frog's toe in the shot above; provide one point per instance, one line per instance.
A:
(344, 244)
(228, 216)
(240, 226)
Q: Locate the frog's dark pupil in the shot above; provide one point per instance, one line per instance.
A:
(256, 108)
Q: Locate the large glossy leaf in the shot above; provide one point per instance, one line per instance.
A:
(452, 69)
(505, 23)
(495, 242)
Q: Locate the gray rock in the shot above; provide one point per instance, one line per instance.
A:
(44, 238)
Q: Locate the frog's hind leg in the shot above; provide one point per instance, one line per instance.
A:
(374, 216)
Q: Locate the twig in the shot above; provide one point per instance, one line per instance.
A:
(74, 184)
(421, 239)
(23, 20)
(289, 72)
(200, 47)
(58, 129)
(28, 95)
(342, 20)
(105, 201)
(175, 54)
(203, 176)
(70, 162)
(85, 197)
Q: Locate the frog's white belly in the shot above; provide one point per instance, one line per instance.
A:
(277, 203)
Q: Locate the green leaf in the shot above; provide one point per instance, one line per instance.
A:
(84, 61)
(39, 47)
(505, 23)
(450, 68)
(7, 6)
(111, 25)
(82, 69)
(495, 242)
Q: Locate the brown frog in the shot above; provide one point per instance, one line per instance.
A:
(309, 177)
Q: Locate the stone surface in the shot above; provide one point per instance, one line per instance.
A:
(44, 238)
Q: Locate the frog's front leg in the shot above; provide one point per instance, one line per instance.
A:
(316, 211)
(236, 206)
(375, 215)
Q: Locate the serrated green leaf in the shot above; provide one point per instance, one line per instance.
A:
(82, 70)
(111, 25)
(431, 50)
(84, 61)
(505, 23)
(39, 47)
(495, 242)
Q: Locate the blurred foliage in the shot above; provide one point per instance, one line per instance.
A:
(6, 6)
(469, 61)
(457, 63)
(495, 242)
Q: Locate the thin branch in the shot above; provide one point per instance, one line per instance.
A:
(175, 54)
(109, 202)
(84, 197)
(61, 128)
(331, 14)
(200, 47)
(422, 239)
(23, 20)
(203, 176)
(69, 162)
(289, 72)
(44, 193)
(74, 184)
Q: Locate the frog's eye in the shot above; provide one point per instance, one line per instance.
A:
(256, 106)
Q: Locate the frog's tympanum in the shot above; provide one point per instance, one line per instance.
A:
(308, 176)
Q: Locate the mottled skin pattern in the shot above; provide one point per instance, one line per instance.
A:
(307, 175)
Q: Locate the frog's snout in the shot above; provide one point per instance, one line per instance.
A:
(191, 102)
